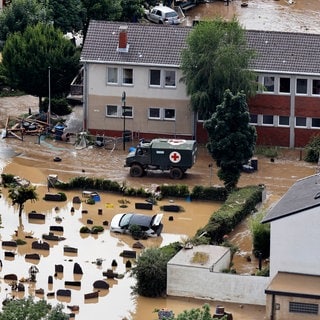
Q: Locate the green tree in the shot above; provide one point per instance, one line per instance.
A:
(20, 195)
(28, 309)
(132, 11)
(151, 272)
(20, 14)
(27, 56)
(216, 59)
(67, 15)
(231, 138)
(110, 10)
(196, 314)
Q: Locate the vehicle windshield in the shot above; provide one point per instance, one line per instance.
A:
(125, 220)
(171, 15)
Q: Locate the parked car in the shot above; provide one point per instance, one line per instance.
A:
(150, 225)
(163, 15)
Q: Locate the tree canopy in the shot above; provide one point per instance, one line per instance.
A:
(231, 138)
(27, 57)
(28, 309)
(20, 195)
(216, 58)
(20, 14)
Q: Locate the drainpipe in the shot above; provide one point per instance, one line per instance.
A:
(292, 112)
(272, 308)
(85, 96)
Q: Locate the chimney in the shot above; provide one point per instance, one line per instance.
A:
(123, 45)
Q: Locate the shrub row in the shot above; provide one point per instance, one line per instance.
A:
(237, 206)
(178, 191)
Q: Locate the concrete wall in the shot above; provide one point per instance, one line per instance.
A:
(190, 281)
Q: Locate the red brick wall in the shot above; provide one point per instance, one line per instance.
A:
(270, 104)
(307, 107)
(273, 136)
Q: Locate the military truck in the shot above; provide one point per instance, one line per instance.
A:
(174, 155)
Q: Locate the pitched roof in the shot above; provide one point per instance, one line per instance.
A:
(303, 195)
(285, 51)
(149, 44)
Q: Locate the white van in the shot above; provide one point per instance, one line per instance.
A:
(163, 15)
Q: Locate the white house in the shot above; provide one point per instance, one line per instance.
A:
(294, 291)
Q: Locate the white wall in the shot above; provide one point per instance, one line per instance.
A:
(295, 243)
(200, 283)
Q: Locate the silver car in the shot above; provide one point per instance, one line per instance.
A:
(149, 225)
(163, 15)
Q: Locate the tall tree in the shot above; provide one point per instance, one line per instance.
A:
(27, 308)
(67, 15)
(216, 58)
(101, 10)
(20, 14)
(132, 11)
(231, 138)
(27, 57)
(20, 195)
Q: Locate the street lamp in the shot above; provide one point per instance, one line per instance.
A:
(123, 99)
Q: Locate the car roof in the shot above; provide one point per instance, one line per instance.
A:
(164, 8)
(141, 219)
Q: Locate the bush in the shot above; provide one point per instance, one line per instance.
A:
(313, 149)
(7, 179)
(85, 229)
(59, 106)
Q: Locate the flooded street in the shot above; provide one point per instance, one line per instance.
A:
(33, 159)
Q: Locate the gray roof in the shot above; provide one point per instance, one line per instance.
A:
(285, 51)
(151, 44)
(302, 196)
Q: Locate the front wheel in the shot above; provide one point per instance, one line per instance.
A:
(136, 171)
(176, 173)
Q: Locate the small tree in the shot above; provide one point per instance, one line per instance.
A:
(231, 138)
(20, 195)
(151, 272)
(22, 309)
(196, 314)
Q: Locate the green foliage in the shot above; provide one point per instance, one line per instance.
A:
(260, 235)
(20, 14)
(151, 272)
(22, 309)
(216, 59)
(20, 242)
(231, 138)
(269, 152)
(237, 206)
(7, 179)
(59, 106)
(179, 191)
(20, 195)
(63, 196)
(313, 149)
(97, 229)
(85, 229)
(137, 232)
(209, 193)
(90, 201)
(196, 314)
(67, 15)
(264, 272)
(43, 47)
(132, 11)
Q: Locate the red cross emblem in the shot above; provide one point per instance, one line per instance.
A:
(175, 157)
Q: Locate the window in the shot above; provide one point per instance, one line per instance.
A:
(155, 77)
(112, 75)
(284, 121)
(315, 122)
(253, 118)
(267, 119)
(284, 85)
(268, 83)
(111, 111)
(316, 87)
(127, 76)
(301, 122)
(169, 114)
(302, 86)
(299, 307)
(154, 113)
(170, 78)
